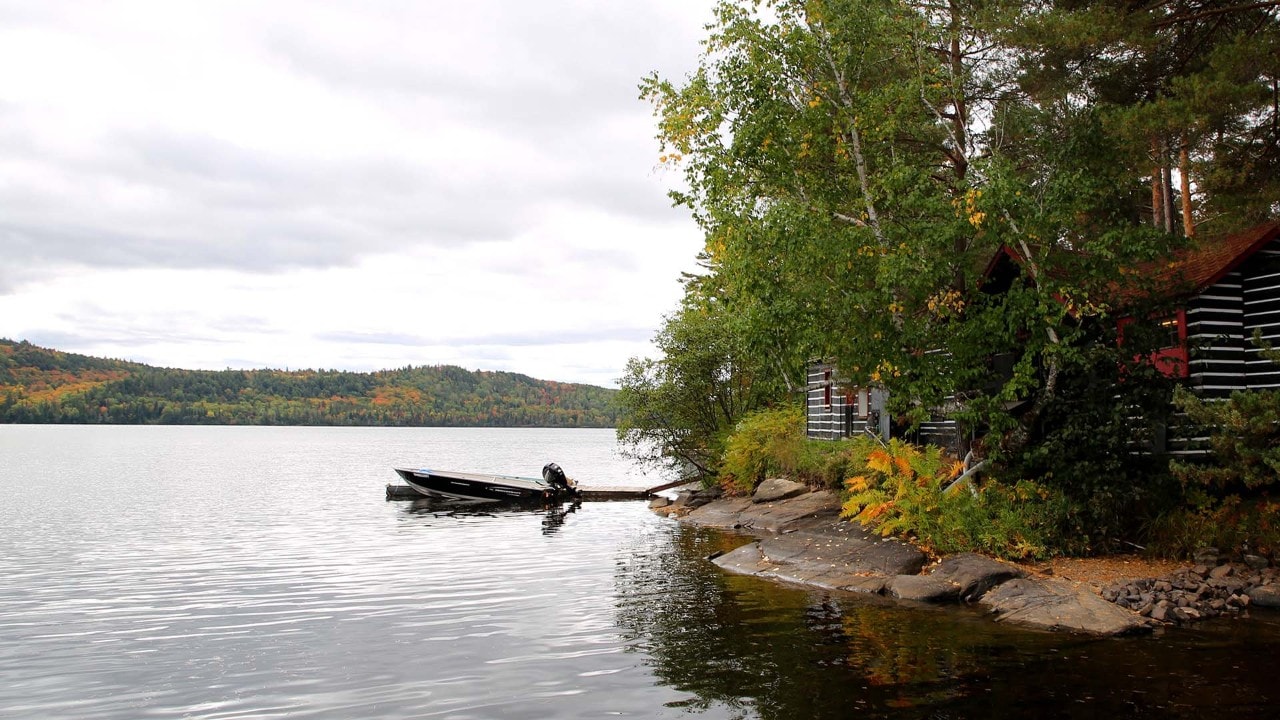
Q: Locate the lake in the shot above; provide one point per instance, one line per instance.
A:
(232, 572)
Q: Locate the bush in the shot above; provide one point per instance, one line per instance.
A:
(1229, 523)
(772, 443)
(902, 490)
(1244, 435)
(764, 443)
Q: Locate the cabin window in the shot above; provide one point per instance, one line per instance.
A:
(826, 388)
(1170, 329)
(1171, 357)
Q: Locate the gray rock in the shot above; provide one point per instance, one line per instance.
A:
(659, 502)
(871, 585)
(1256, 562)
(694, 498)
(1207, 556)
(777, 489)
(922, 588)
(746, 560)
(1221, 572)
(742, 513)
(1054, 604)
(1267, 596)
(974, 574)
(826, 555)
(725, 514)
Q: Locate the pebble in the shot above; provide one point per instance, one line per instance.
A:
(1199, 592)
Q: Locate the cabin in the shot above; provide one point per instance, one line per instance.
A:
(1220, 293)
(837, 409)
(1224, 291)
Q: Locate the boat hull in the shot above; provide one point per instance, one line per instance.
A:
(474, 487)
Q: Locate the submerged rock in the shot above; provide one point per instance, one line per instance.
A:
(1267, 596)
(923, 588)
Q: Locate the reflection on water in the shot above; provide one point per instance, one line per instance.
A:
(553, 512)
(774, 651)
(257, 572)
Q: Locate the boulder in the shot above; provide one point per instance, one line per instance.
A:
(1267, 596)
(697, 497)
(777, 489)
(822, 555)
(743, 514)
(659, 502)
(1208, 556)
(922, 588)
(1053, 604)
(974, 574)
(1256, 562)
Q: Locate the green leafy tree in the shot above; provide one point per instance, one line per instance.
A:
(678, 409)
(855, 164)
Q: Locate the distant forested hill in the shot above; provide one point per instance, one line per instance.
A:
(39, 385)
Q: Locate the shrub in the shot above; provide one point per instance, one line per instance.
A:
(1230, 522)
(1226, 501)
(1244, 434)
(901, 490)
(764, 443)
(899, 485)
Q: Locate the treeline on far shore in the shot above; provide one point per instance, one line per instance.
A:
(41, 385)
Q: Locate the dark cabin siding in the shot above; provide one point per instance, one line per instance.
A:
(1215, 338)
(835, 410)
(825, 412)
(1221, 321)
(1262, 314)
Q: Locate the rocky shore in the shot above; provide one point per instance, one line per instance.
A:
(802, 539)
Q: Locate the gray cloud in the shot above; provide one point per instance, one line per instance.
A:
(553, 80)
(541, 338)
(487, 144)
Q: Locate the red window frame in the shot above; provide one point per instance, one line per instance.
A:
(1170, 360)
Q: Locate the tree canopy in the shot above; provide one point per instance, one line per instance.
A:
(855, 164)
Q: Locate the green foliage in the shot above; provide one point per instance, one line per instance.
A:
(1094, 444)
(834, 156)
(1226, 497)
(900, 485)
(1244, 435)
(855, 165)
(903, 490)
(1232, 523)
(1227, 501)
(38, 385)
(678, 410)
(764, 444)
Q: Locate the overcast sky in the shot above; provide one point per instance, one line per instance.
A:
(355, 185)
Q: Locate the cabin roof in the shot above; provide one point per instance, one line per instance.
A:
(1211, 259)
(1189, 272)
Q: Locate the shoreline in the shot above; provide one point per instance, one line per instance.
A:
(801, 539)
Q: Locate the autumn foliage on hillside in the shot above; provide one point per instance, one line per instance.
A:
(39, 385)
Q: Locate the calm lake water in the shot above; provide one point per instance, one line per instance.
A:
(166, 572)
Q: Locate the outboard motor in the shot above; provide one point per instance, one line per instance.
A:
(556, 478)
